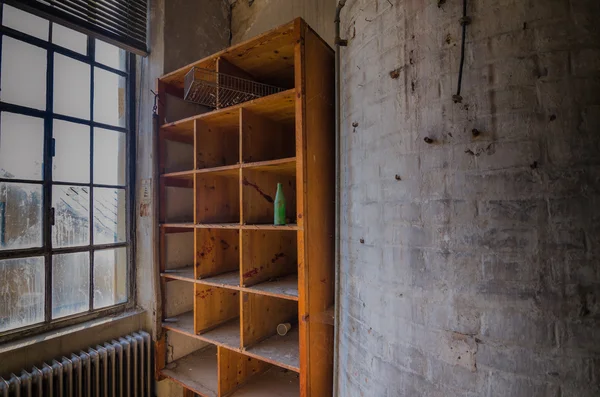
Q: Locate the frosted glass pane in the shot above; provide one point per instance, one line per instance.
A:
(23, 74)
(71, 212)
(110, 277)
(25, 22)
(110, 218)
(69, 38)
(71, 87)
(21, 300)
(110, 55)
(21, 146)
(20, 216)
(72, 160)
(109, 157)
(70, 284)
(109, 98)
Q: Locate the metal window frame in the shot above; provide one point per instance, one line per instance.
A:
(48, 116)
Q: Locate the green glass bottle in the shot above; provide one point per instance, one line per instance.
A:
(279, 206)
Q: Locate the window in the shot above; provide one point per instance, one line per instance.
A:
(65, 197)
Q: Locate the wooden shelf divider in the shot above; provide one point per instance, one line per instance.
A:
(219, 176)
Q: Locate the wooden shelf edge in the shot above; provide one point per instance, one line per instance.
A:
(269, 227)
(289, 282)
(182, 274)
(269, 163)
(214, 280)
(274, 97)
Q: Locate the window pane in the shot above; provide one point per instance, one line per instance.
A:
(21, 299)
(71, 87)
(109, 157)
(21, 146)
(109, 216)
(20, 216)
(23, 74)
(110, 277)
(70, 284)
(71, 212)
(110, 55)
(72, 160)
(69, 38)
(25, 22)
(109, 98)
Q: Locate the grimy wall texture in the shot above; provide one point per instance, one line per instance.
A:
(471, 265)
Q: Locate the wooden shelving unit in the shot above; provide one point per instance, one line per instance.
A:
(228, 275)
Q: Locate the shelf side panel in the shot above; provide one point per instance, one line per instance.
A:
(268, 255)
(316, 288)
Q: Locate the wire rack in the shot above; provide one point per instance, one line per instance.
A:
(219, 90)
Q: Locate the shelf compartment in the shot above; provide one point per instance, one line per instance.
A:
(264, 139)
(285, 287)
(267, 255)
(178, 205)
(276, 382)
(217, 198)
(279, 350)
(261, 314)
(216, 145)
(182, 323)
(178, 298)
(197, 372)
(226, 334)
(217, 252)
(258, 195)
(182, 274)
(236, 369)
(214, 307)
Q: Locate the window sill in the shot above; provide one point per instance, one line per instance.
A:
(67, 331)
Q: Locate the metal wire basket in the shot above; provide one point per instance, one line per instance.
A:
(220, 90)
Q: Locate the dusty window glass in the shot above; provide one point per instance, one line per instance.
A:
(71, 216)
(21, 146)
(71, 162)
(71, 87)
(69, 38)
(25, 22)
(109, 216)
(109, 157)
(21, 300)
(110, 277)
(110, 55)
(70, 284)
(109, 98)
(20, 215)
(23, 74)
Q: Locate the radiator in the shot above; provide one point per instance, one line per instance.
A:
(119, 368)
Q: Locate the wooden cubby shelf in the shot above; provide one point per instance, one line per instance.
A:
(229, 276)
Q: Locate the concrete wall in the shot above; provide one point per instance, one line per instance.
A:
(471, 265)
(249, 21)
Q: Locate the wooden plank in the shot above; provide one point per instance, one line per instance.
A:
(196, 372)
(277, 107)
(267, 254)
(214, 306)
(283, 166)
(268, 55)
(187, 393)
(276, 382)
(215, 146)
(282, 351)
(264, 139)
(217, 198)
(235, 369)
(225, 280)
(183, 274)
(291, 226)
(259, 189)
(261, 314)
(285, 287)
(183, 323)
(319, 226)
(217, 252)
(160, 354)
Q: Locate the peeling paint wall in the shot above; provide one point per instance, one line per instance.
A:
(248, 21)
(471, 262)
